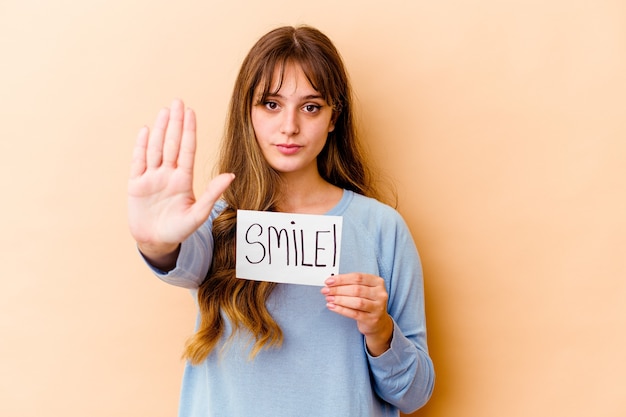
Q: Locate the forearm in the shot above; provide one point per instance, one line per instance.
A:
(404, 374)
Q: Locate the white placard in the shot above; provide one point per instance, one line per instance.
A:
(287, 248)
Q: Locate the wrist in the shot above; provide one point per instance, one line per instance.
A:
(160, 256)
(380, 342)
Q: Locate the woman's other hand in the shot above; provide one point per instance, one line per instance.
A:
(362, 297)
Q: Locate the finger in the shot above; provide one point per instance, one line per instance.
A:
(359, 291)
(173, 133)
(187, 151)
(138, 162)
(354, 279)
(154, 153)
(354, 304)
(346, 312)
(214, 190)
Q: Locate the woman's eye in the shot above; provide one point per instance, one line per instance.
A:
(311, 108)
(271, 105)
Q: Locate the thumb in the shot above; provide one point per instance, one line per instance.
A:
(213, 191)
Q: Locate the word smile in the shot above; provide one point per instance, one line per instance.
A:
(288, 247)
(292, 246)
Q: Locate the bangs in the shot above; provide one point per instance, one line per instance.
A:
(270, 78)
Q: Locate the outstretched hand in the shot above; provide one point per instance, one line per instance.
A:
(162, 208)
(362, 297)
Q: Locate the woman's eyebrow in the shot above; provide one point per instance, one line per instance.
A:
(307, 97)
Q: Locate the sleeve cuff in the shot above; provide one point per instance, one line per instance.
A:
(192, 264)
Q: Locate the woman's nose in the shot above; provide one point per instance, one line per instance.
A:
(289, 123)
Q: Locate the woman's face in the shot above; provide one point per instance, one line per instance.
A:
(292, 125)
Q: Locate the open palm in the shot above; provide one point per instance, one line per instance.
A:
(162, 208)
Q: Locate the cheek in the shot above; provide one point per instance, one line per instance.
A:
(323, 129)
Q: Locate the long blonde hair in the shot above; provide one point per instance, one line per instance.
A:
(257, 185)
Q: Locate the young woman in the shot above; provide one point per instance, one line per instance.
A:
(357, 347)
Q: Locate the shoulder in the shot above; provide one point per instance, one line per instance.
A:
(375, 222)
(372, 212)
(372, 228)
(218, 208)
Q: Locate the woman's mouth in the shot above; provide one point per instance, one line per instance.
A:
(288, 149)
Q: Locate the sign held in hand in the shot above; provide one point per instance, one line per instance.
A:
(287, 248)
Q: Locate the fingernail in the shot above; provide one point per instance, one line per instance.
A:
(330, 281)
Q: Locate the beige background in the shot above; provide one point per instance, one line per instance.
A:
(502, 123)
